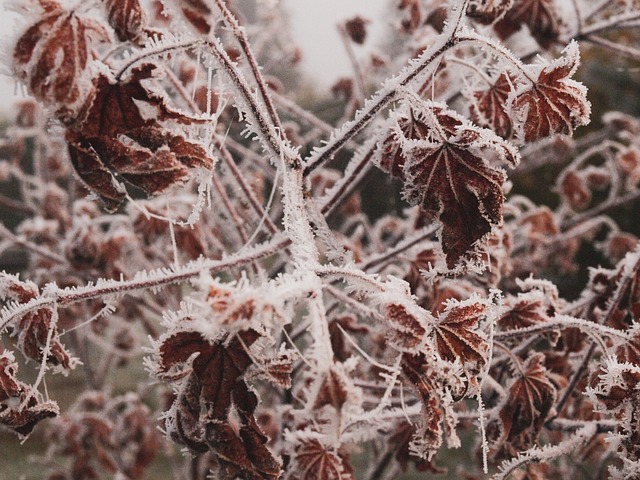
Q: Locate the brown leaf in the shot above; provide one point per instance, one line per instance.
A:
(51, 57)
(127, 19)
(487, 12)
(314, 461)
(407, 332)
(115, 138)
(489, 107)
(528, 402)
(526, 310)
(13, 394)
(198, 14)
(541, 16)
(574, 190)
(552, 103)
(356, 28)
(442, 160)
(333, 391)
(455, 333)
(213, 387)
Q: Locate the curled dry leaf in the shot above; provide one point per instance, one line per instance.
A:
(115, 137)
(488, 109)
(13, 393)
(552, 103)
(52, 57)
(214, 387)
(541, 16)
(127, 18)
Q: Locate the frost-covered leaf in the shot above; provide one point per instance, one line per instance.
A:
(552, 103)
(541, 16)
(127, 18)
(489, 107)
(117, 136)
(525, 310)
(314, 461)
(528, 402)
(487, 12)
(53, 54)
(446, 172)
(17, 412)
(456, 333)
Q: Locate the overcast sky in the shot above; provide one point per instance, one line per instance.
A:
(314, 28)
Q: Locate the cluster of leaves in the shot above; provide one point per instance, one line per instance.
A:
(175, 207)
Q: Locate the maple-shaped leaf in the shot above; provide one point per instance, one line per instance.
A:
(525, 310)
(528, 401)
(52, 56)
(552, 103)
(116, 136)
(127, 18)
(314, 461)
(446, 172)
(455, 332)
(389, 155)
(541, 16)
(488, 109)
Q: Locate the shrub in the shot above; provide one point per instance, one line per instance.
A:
(179, 209)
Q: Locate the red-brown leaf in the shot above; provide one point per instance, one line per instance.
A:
(51, 57)
(127, 18)
(314, 461)
(489, 107)
(529, 400)
(455, 333)
(541, 16)
(553, 103)
(524, 311)
(488, 11)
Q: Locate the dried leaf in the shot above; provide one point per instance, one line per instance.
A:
(525, 310)
(528, 402)
(488, 110)
(116, 138)
(314, 461)
(541, 16)
(214, 386)
(13, 394)
(51, 57)
(456, 334)
(552, 103)
(127, 19)
(487, 12)
(448, 174)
